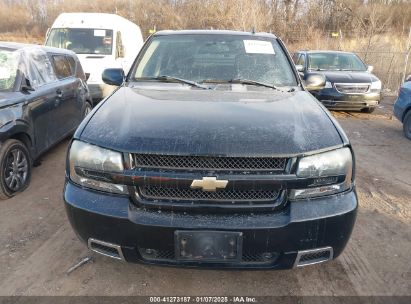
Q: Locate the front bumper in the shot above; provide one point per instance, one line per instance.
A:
(302, 225)
(333, 99)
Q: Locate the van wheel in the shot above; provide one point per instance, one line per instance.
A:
(368, 110)
(15, 164)
(87, 109)
(407, 125)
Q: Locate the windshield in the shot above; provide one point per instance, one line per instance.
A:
(9, 61)
(216, 58)
(335, 62)
(82, 41)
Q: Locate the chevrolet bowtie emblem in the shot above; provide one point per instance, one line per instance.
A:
(209, 184)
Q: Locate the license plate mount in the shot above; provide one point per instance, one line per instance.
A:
(208, 246)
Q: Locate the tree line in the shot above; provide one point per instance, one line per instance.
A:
(289, 19)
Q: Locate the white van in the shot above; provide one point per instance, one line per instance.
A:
(100, 41)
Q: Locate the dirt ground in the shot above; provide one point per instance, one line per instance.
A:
(38, 246)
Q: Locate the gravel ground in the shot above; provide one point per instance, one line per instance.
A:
(38, 246)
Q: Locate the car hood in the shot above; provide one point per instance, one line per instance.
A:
(192, 121)
(349, 77)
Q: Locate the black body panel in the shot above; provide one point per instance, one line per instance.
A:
(190, 121)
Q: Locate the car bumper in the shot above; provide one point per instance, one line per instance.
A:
(333, 99)
(269, 240)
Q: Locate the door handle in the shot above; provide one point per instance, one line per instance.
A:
(59, 93)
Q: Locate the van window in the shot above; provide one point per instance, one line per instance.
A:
(119, 46)
(62, 66)
(82, 41)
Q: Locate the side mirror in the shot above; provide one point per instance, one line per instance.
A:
(26, 85)
(315, 82)
(370, 68)
(113, 76)
(300, 68)
(408, 78)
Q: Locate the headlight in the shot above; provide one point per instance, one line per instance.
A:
(328, 85)
(376, 85)
(329, 172)
(90, 165)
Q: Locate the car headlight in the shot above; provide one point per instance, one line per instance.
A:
(328, 85)
(376, 85)
(90, 165)
(329, 173)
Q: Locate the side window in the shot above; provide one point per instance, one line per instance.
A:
(119, 46)
(301, 60)
(72, 64)
(62, 66)
(295, 57)
(40, 70)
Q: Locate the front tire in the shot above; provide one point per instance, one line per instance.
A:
(87, 109)
(406, 125)
(368, 110)
(15, 165)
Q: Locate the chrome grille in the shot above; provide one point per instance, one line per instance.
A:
(225, 195)
(352, 88)
(209, 163)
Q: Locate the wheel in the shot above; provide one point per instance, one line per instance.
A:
(407, 125)
(368, 110)
(15, 164)
(87, 109)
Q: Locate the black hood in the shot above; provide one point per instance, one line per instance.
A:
(348, 76)
(192, 121)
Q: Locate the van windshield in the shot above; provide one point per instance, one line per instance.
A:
(219, 58)
(82, 41)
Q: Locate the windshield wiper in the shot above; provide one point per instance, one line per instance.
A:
(240, 81)
(252, 82)
(166, 78)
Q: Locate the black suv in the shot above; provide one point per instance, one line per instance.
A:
(350, 85)
(43, 98)
(211, 153)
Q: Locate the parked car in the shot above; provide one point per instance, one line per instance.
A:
(43, 98)
(211, 153)
(350, 85)
(402, 107)
(100, 41)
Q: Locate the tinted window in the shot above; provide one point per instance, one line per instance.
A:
(62, 66)
(335, 61)
(216, 57)
(301, 60)
(295, 57)
(82, 41)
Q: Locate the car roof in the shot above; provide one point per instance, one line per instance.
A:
(213, 32)
(24, 46)
(324, 51)
(91, 20)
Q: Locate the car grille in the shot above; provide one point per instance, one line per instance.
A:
(209, 163)
(352, 88)
(248, 257)
(224, 195)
